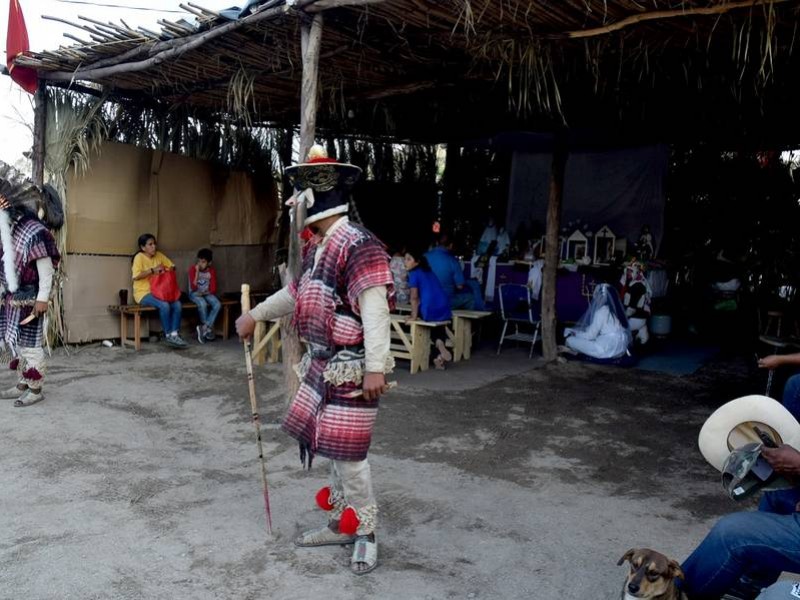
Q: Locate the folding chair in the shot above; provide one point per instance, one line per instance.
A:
(517, 307)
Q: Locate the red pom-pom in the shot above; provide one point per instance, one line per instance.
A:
(324, 499)
(13, 364)
(348, 523)
(31, 374)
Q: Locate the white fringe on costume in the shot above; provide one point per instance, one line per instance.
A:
(9, 256)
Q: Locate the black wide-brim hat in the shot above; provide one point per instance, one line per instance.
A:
(323, 175)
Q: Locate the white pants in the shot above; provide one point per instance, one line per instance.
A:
(31, 362)
(352, 483)
(639, 328)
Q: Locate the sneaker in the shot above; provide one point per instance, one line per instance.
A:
(174, 341)
(201, 335)
(210, 337)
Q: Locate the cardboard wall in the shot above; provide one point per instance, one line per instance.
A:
(187, 204)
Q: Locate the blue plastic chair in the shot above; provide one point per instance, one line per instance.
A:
(517, 307)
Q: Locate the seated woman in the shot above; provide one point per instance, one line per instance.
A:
(602, 332)
(147, 263)
(429, 301)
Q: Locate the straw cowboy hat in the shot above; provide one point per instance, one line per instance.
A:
(731, 426)
(730, 442)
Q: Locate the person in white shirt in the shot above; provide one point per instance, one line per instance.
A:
(28, 259)
(340, 302)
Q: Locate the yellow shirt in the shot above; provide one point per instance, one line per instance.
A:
(142, 263)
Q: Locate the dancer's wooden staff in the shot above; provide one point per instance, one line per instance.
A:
(251, 384)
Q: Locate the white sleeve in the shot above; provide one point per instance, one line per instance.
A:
(45, 268)
(377, 324)
(279, 304)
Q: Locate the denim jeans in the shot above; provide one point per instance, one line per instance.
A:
(756, 544)
(791, 396)
(168, 312)
(203, 304)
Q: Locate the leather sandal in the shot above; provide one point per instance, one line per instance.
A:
(323, 537)
(28, 398)
(365, 552)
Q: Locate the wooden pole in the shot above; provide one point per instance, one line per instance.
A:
(552, 249)
(39, 128)
(310, 41)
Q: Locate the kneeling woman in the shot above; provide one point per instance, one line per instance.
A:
(602, 331)
(147, 263)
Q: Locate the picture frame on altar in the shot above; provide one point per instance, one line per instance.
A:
(604, 246)
(577, 246)
(562, 247)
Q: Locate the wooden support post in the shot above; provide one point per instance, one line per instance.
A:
(310, 41)
(39, 127)
(552, 249)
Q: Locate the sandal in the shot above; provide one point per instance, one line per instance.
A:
(12, 393)
(323, 537)
(443, 351)
(365, 552)
(438, 363)
(28, 398)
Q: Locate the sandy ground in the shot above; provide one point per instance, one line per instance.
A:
(500, 478)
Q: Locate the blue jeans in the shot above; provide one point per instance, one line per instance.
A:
(203, 304)
(759, 545)
(791, 396)
(168, 312)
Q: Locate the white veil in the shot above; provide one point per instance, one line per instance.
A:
(604, 295)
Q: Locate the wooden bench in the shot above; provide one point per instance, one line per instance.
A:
(462, 328)
(411, 340)
(267, 342)
(461, 334)
(136, 310)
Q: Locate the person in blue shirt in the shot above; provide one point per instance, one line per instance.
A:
(428, 302)
(450, 274)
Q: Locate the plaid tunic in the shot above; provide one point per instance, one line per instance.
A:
(32, 241)
(322, 417)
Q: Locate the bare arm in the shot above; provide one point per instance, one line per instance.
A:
(775, 361)
(414, 303)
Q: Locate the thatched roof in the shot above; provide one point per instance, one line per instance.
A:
(438, 70)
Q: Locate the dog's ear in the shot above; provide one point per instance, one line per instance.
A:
(675, 570)
(627, 556)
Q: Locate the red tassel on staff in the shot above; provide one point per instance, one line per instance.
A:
(16, 44)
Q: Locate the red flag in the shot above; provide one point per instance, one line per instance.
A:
(16, 44)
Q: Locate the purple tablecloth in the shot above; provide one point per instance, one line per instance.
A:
(570, 301)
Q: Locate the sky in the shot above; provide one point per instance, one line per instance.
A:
(16, 105)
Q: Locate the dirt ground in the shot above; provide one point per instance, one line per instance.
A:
(137, 478)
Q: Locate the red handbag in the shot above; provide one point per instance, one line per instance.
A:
(164, 286)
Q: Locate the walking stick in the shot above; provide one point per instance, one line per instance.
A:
(251, 384)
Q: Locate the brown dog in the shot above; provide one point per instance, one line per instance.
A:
(652, 576)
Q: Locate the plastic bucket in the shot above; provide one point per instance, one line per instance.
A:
(661, 324)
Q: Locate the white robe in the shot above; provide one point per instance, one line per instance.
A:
(605, 337)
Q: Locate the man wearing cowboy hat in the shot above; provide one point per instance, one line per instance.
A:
(749, 550)
(340, 302)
